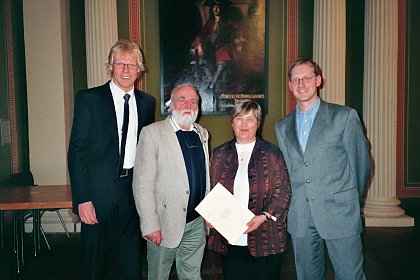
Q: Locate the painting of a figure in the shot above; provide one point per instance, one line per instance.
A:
(216, 45)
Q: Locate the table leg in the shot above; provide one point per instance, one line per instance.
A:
(22, 234)
(18, 239)
(36, 231)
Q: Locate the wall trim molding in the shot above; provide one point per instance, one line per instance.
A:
(135, 27)
(292, 47)
(11, 87)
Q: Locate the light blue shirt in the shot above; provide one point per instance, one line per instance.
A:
(304, 122)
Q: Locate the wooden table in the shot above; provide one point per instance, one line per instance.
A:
(34, 198)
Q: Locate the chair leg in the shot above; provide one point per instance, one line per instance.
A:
(37, 230)
(62, 222)
(45, 238)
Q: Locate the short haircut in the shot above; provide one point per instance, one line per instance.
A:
(305, 61)
(124, 46)
(242, 107)
(182, 85)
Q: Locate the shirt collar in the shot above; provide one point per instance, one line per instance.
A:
(119, 91)
(311, 112)
(176, 127)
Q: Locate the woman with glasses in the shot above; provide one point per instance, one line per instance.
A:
(253, 170)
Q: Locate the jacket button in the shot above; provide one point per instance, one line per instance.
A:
(185, 210)
(307, 199)
(305, 163)
(187, 192)
(308, 181)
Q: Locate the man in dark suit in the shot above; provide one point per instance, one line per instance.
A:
(106, 125)
(328, 160)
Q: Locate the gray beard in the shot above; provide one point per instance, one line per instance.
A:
(184, 120)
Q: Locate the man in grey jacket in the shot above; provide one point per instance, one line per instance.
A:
(329, 164)
(171, 177)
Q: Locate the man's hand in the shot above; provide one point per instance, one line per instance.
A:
(155, 237)
(87, 213)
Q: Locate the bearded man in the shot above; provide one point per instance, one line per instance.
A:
(171, 177)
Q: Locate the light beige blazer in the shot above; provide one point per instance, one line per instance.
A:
(160, 182)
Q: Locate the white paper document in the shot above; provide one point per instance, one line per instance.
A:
(226, 213)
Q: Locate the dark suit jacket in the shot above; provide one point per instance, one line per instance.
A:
(94, 146)
(329, 178)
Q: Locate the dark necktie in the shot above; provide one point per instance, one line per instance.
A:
(124, 131)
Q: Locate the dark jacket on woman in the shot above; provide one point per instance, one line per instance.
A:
(269, 191)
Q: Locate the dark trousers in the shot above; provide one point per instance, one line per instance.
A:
(118, 233)
(239, 264)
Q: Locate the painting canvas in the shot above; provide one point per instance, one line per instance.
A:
(216, 45)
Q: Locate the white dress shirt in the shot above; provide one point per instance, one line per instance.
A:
(131, 144)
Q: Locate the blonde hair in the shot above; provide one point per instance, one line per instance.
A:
(124, 46)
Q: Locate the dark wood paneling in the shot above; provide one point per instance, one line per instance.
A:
(412, 97)
(122, 19)
(78, 44)
(14, 156)
(306, 27)
(355, 10)
(408, 100)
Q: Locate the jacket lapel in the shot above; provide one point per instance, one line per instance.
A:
(318, 127)
(176, 149)
(109, 114)
(141, 111)
(292, 134)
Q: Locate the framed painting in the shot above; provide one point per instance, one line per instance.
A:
(218, 46)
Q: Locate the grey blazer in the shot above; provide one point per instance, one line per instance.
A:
(329, 178)
(160, 182)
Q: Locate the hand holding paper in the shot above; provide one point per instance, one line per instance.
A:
(225, 213)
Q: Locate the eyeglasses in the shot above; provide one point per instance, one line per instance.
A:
(122, 65)
(305, 80)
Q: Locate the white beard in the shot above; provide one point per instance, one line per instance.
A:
(184, 120)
